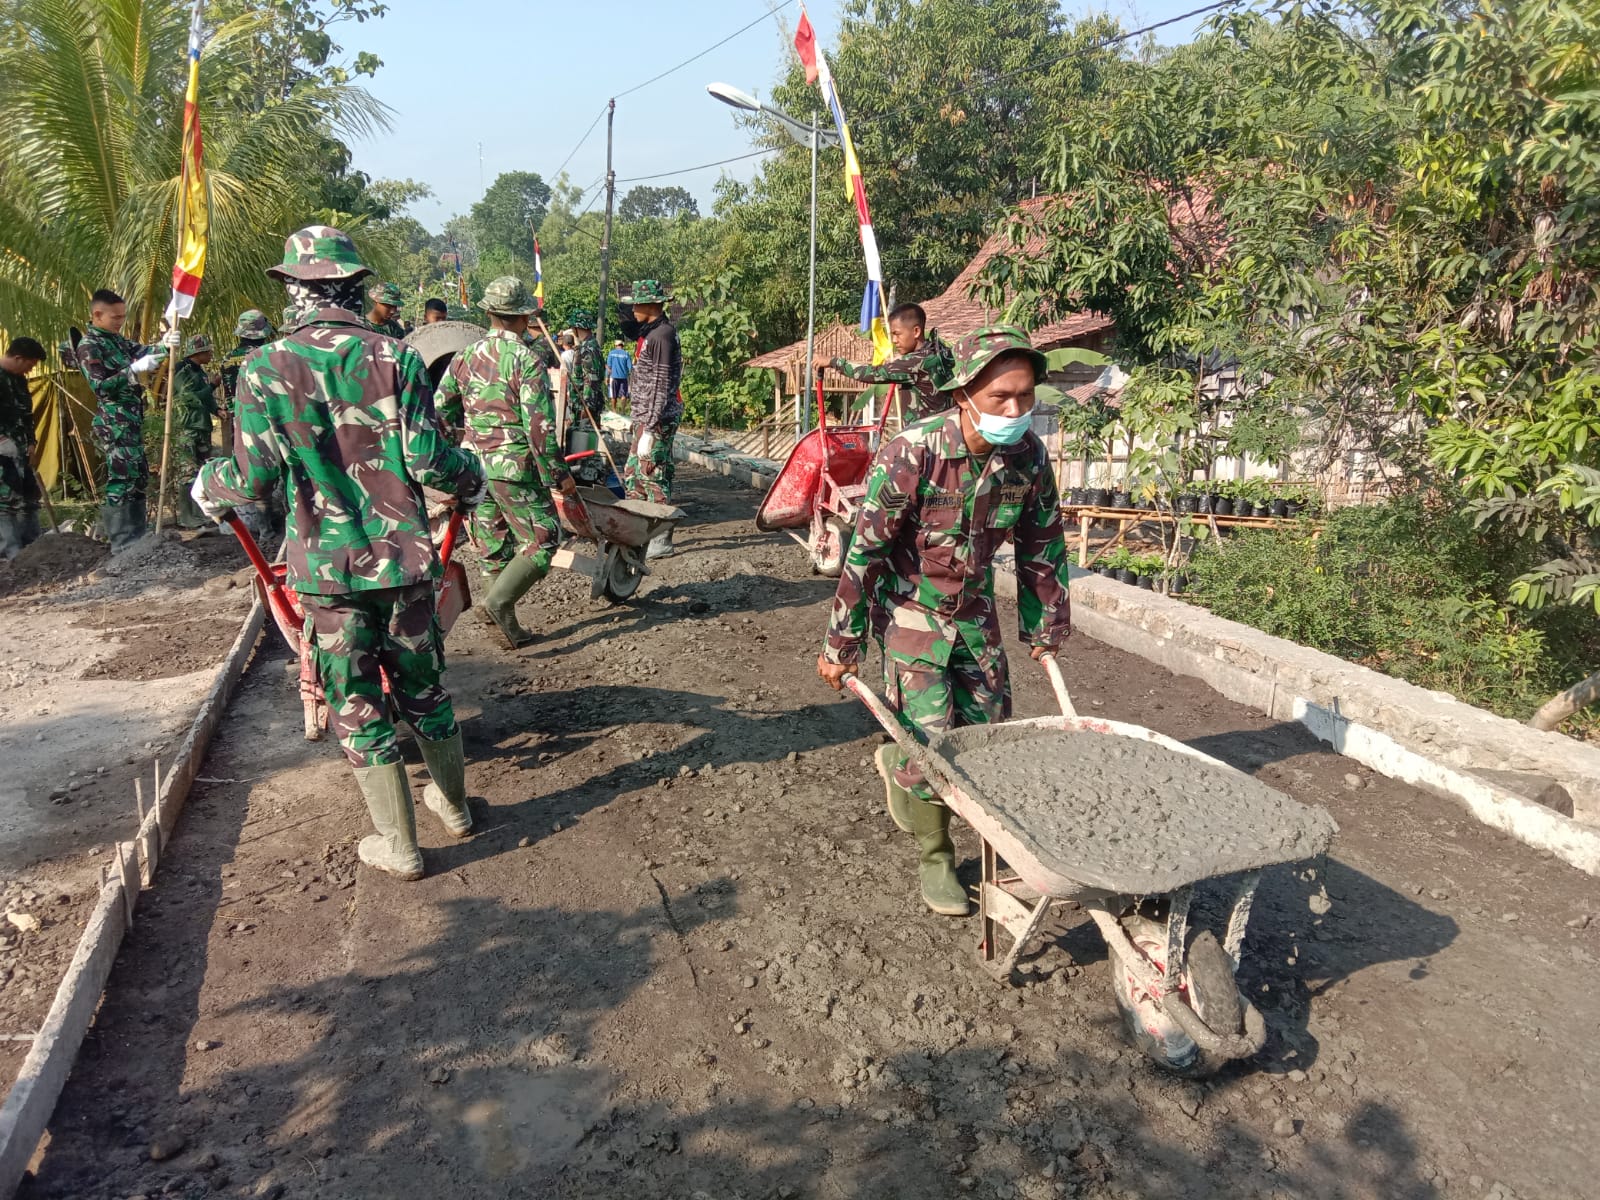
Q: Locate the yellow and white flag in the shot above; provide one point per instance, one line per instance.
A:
(196, 219)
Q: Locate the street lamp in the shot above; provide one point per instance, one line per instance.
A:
(806, 135)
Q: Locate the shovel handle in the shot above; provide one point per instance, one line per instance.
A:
(931, 768)
(1052, 668)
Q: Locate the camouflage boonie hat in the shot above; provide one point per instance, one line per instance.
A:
(982, 346)
(252, 323)
(508, 296)
(198, 344)
(386, 293)
(580, 318)
(647, 291)
(320, 252)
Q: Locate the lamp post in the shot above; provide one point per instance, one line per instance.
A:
(814, 138)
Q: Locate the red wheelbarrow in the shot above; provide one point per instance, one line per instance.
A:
(820, 488)
(454, 598)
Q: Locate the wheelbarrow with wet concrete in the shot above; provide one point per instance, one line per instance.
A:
(1130, 827)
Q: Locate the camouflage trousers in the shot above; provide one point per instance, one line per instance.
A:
(127, 470)
(930, 698)
(513, 519)
(357, 640)
(19, 490)
(656, 486)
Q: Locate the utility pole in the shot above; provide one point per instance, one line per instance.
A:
(605, 242)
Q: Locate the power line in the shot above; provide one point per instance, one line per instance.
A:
(702, 166)
(771, 12)
(581, 141)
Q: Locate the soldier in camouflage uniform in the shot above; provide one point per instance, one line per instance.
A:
(114, 366)
(19, 487)
(194, 401)
(345, 415)
(252, 331)
(656, 404)
(942, 497)
(384, 314)
(923, 366)
(500, 392)
(586, 384)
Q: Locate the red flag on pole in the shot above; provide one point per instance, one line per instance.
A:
(805, 44)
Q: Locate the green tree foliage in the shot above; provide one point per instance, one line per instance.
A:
(665, 202)
(951, 104)
(717, 335)
(90, 126)
(504, 220)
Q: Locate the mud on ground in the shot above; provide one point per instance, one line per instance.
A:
(684, 957)
(103, 673)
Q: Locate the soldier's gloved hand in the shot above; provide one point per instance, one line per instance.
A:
(211, 508)
(148, 362)
(471, 500)
(172, 339)
(647, 443)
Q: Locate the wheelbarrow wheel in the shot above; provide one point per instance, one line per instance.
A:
(827, 556)
(1208, 987)
(621, 578)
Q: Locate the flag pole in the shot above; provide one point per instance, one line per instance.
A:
(172, 353)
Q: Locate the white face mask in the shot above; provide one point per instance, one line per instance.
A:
(999, 431)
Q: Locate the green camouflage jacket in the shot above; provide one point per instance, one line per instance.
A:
(586, 386)
(194, 399)
(497, 390)
(105, 358)
(390, 328)
(926, 369)
(933, 517)
(345, 417)
(16, 410)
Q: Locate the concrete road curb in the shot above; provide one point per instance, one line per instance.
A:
(32, 1099)
(739, 467)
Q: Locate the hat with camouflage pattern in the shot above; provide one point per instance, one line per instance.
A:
(580, 318)
(320, 252)
(647, 291)
(982, 346)
(252, 323)
(508, 296)
(198, 344)
(386, 293)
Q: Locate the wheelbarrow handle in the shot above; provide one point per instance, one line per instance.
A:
(932, 769)
(452, 534)
(283, 612)
(1052, 668)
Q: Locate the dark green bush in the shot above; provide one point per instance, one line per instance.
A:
(1408, 587)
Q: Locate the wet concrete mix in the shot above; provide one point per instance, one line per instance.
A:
(1129, 815)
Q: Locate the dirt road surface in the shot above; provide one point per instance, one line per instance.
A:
(684, 957)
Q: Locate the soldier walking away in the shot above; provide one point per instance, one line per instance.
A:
(384, 314)
(942, 497)
(498, 391)
(434, 311)
(114, 366)
(923, 364)
(619, 365)
(586, 385)
(345, 415)
(252, 330)
(19, 486)
(656, 404)
(195, 402)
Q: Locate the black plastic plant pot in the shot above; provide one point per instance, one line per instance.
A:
(1121, 500)
(1102, 569)
(1204, 503)
(1187, 504)
(1279, 508)
(1147, 582)
(1222, 506)
(1261, 510)
(1127, 575)
(1100, 497)
(1293, 508)
(1180, 584)
(1075, 495)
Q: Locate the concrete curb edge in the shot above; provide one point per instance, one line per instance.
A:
(29, 1105)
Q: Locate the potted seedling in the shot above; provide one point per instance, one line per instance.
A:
(1122, 497)
(1222, 505)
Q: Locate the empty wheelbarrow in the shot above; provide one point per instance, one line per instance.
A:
(1044, 797)
(618, 532)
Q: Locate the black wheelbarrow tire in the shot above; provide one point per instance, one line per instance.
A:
(839, 536)
(1212, 994)
(621, 579)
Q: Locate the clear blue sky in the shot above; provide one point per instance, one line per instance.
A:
(452, 70)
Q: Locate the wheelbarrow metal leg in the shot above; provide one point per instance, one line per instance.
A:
(1177, 938)
(1239, 918)
(1002, 908)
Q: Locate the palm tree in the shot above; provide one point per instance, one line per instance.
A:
(90, 129)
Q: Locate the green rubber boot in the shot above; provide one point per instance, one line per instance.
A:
(393, 849)
(446, 793)
(896, 797)
(117, 521)
(941, 890)
(10, 536)
(513, 582)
